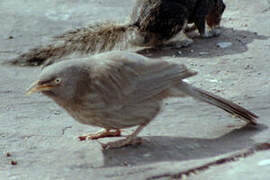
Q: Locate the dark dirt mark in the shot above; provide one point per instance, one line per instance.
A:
(65, 128)
(13, 163)
(232, 158)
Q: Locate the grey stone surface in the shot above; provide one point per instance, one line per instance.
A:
(251, 168)
(42, 138)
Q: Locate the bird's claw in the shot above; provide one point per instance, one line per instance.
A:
(121, 143)
(101, 134)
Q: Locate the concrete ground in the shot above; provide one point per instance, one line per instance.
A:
(191, 140)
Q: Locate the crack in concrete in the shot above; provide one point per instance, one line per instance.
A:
(231, 158)
(64, 129)
(129, 173)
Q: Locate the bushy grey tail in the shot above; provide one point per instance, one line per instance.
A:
(220, 102)
(88, 40)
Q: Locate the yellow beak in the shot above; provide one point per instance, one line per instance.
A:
(36, 87)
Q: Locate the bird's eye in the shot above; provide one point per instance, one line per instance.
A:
(57, 80)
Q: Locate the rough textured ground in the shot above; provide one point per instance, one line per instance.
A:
(39, 138)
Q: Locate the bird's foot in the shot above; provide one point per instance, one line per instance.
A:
(101, 134)
(132, 139)
(122, 143)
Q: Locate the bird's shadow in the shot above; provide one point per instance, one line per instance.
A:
(166, 148)
(208, 48)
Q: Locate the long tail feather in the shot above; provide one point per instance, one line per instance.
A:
(220, 102)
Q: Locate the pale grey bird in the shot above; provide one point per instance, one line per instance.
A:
(117, 90)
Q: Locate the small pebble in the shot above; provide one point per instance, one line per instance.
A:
(203, 53)
(224, 44)
(13, 163)
(265, 162)
(125, 163)
(179, 52)
(146, 155)
(56, 113)
(213, 80)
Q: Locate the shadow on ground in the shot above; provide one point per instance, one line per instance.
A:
(165, 148)
(205, 48)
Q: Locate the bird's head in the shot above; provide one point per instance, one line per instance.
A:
(61, 80)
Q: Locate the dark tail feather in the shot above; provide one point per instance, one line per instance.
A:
(89, 40)
(220, 102)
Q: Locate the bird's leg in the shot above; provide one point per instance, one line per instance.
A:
(129, 140)
(101, 134)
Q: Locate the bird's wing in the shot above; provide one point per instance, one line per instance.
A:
(128, 78)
